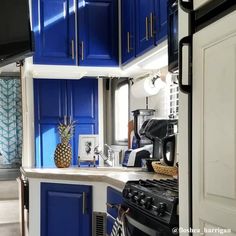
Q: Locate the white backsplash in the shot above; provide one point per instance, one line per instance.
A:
(159, 102)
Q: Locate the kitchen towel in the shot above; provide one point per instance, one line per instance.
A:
(117, 229)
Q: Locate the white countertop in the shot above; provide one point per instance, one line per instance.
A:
(116, 176)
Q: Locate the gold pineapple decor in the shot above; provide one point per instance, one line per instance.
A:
(63, 152)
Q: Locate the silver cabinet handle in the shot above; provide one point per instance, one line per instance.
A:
(128, 42)
(65, 119)
(82, 50)
(84, 203)
(110, 205)
(152, 32)
(129, 48)
(146, 28)
(72, 49)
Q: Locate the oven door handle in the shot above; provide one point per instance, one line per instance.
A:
(140, 226)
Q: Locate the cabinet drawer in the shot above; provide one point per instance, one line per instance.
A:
(114, 198)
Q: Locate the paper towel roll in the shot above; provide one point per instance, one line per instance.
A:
(146, 88)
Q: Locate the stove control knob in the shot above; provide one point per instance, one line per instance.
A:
(142, 195)
(130, 195)
(126, 192)
(161, 208)
(139, 197)
(142, 202)
(148, 203)
(134, 195)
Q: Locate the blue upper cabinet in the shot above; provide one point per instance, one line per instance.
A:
(56, 100)
(145, 33)
(160, 20)
(50, 109)
(98, 32)
(143, 26)
(54, 30)
(66, 209)
(83, 108)
(127, 30)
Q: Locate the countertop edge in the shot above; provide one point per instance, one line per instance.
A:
(101, 177)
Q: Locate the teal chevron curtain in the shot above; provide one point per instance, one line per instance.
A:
(11, 132)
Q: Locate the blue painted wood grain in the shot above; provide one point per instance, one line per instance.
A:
(54, 99)
(62, 210)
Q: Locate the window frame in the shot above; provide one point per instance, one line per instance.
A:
(116, 84)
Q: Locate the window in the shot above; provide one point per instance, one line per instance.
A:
(121, 112)
(116, 111)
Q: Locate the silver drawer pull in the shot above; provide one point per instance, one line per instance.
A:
(117, 206)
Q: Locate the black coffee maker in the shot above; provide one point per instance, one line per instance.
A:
(140, 118)
(162, 133)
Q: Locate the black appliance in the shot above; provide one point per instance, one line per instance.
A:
(162, 132)
(172, 30)
(16, 40)
(153, 207)
(141, 116)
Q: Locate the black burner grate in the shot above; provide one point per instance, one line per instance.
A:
(163, 184)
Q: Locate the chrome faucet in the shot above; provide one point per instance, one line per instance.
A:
(110, 153)
(109, 159)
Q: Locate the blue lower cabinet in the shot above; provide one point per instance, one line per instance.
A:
(114, 197)
(110, 223)
(66, 210)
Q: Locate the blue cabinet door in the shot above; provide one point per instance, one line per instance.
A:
(127, 30)
(145, 33)
(66, 210)
(54, 30)
(98, 32)
(53, 101)
(83, 109)
(110, 223)
(50, 108)
(114, 197)
(160, 20)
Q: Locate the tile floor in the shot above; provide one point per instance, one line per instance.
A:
(9, 209)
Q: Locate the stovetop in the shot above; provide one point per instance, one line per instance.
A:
(156, 198)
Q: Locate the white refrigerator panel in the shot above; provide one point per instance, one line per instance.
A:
(200, 3)
(183, 136)
(214, 126)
